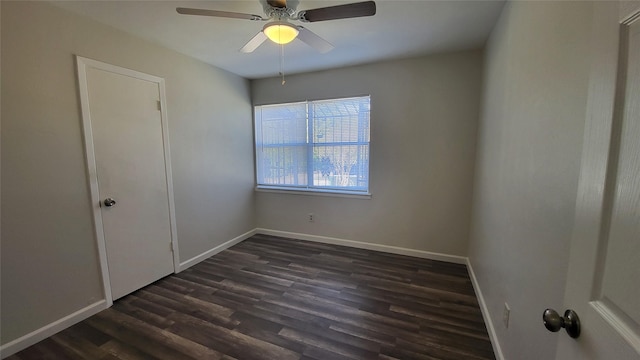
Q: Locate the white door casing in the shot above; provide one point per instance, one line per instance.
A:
(603, 281)
(126, 142)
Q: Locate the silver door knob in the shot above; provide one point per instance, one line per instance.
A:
(570, 321)
(108, 202)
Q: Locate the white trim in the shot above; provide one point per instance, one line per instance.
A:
(616, 322)
(368, 246)
(82, 314)
(497, 350)
(313, 192)
(82, 65)
(61, 324)
(409, 252)
(169, 175)
(207, 254)
(629, 12)
(51, 329)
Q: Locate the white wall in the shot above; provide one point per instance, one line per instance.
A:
(528, 159)
(424, 131)
(49, 261)
(424, 115)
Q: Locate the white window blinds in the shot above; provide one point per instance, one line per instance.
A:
(314, 145)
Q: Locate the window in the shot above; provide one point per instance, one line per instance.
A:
(314, 145)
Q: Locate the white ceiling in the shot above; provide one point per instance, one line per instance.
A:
(400, 29)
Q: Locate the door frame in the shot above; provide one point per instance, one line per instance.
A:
(592, 198)
(83, 64)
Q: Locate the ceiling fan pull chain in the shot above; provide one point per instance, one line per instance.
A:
(282, 63)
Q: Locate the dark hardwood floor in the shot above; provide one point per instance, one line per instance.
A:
(276, 298)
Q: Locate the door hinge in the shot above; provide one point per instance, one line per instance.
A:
(159, 106)
(172, 246)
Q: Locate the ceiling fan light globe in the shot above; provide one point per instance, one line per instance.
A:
(280, 32)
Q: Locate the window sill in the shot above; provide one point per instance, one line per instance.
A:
(314, 192)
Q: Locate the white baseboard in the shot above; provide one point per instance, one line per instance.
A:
(44, 332)
(207, 254)
(409, 252)
(82, 314)
(59, 325)
(485, 313)
(368, 246)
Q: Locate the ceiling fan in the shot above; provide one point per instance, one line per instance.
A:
(281, 31)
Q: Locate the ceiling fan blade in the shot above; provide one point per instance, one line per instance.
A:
(310, 38)
(277, 3)
(366, 8)
(216, 13)
(254, 42)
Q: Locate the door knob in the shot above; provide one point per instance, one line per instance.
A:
(570, 321)
(108, 202)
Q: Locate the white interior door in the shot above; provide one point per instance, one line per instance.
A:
(603, 284)
(132, 191)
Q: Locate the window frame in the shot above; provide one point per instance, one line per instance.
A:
(309, 146)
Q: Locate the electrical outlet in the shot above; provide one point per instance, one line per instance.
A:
(505, 315)
(310, 217)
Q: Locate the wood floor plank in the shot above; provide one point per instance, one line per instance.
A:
(277, 298)
(80, 346)
(321, 342)
(228, 341)
(159, 343)
(135, 308)
(125, 352)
